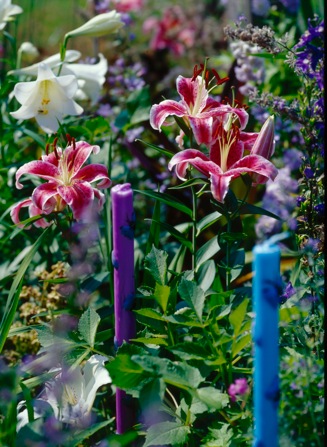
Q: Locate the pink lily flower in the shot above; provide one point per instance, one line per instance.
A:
(68, 183)
(197, 109)
(226, 161)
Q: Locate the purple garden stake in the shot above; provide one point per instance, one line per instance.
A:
(123, 262)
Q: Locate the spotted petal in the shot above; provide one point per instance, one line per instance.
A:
(159, 112)
(193, 93)
(78, 196)
(76, 155)
(92, 173)
(41, 169)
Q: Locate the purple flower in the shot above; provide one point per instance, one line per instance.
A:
(291, 5)
(308, 172)
(299, 200)
(260, 7)
(293, 159)
(239, 388)
(320, 209)
(288, 292)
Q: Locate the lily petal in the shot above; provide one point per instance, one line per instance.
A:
(159, 112)
(78, 196)
(43, 197)
(95, 375)
(182, 159)
(92, 173)
(41, 169)
(202, 129)
(193, 93)
(77, 155)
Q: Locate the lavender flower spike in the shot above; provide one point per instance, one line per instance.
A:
(123, 262)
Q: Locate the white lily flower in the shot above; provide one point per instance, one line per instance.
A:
(100, 25)
(71, 394)
(29, 51)
(48, 99)
(91, 77)
(7, 10)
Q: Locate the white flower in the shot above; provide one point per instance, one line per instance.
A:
(91, 77)
(29, 51)
(6, 11)
(70, 394)
(99, 25)
(48, 99)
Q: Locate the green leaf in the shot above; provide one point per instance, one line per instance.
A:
(168, 200)
(247, 208)
(237, 316)
(167, 433)
(174, 373)
(193, 295)
(190, 182)
(190, 351)
(13, 297)
(162, 151)
(206, 221)
(124, 372)
(154, 232)
(240, 343)
(151, 340)
(156, 263)
(207, 251)
(177, 234)
(88, 325)
(77, 439)
(237, 260)
(206, 275)
(161, 294)
(212, 397)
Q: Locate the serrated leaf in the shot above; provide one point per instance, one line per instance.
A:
(190, 351)
(156, 263)
(193, 295)
(174, 373)
(88, 325)
(212, 397)
(167, 433)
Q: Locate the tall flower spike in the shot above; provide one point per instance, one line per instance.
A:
(48, 99)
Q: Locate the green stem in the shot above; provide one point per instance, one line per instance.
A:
(194, 219)
(228, 271)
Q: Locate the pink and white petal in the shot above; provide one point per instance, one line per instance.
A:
(202, 129)
(248, 138)
(35, 211)
(101, 198)
(43, 197)
(94, 172)
(41, 169)
(76, 155)
(211, 104)
(193, 92)
(235, 153)
(52, 157)
(182, 159)
(78, 196)
(219, 185)
(159, 112)
(254, 164)
(14, 213)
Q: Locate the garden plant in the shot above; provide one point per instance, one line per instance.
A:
(146, 149)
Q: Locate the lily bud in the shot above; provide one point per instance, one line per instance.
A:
(99, 25)
(28, 51)
(265, 143)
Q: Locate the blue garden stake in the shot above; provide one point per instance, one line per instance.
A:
(266, 284)
(124, 288)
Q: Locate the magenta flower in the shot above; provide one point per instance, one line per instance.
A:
(197, 109)
(240, 387)
(226, 160)
(68, 183)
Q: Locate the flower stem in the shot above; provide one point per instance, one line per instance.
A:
(194, 218)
